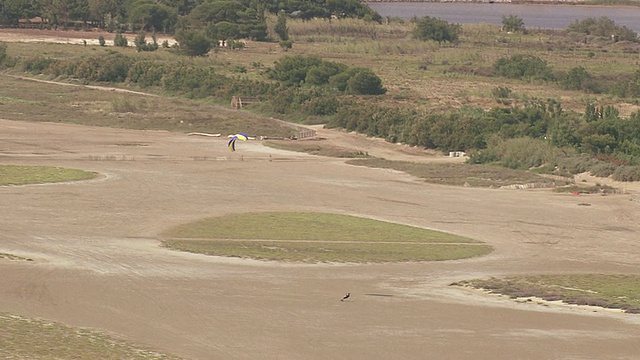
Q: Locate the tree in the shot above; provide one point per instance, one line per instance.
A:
(193, 43)
(142, 44)
(358, 81)
(281, 27)
(429, 28)
(120, 40)
(363, 81)
(13, 10)
(293, 70)
(149, 16)
(513, 23)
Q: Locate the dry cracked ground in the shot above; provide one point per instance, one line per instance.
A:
(97, 262)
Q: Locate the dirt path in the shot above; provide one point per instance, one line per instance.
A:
(97, 262)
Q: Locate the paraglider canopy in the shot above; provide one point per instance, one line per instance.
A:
(234, 138)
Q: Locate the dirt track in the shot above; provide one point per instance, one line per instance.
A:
(97, 263)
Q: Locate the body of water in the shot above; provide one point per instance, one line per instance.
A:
(534, 16)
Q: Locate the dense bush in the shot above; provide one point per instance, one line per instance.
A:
(301, 70)
(578, 78)
(322, 106)
(142, 45)
(429, 28)
(193, 43)
(363, 81)
(602, 27)
(523, 66)
(146, 73)
(628, 87)
(110, 68)
(120, 40)
(293, 70)
(3, 52)
(37, 64)
(513, 23)
(520, 153)
(627, 173)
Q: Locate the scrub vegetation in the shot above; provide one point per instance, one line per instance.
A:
(607, 291)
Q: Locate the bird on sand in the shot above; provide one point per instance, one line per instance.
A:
(345, 297)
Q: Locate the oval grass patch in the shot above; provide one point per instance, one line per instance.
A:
(27, 174)
(318, 237)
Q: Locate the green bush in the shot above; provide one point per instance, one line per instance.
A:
(146, 73)
(193, 43)
(101, 41)
(429, 28)
(110, 68)
(120, 40)
(3, 53)
(523, 66)
(37, 64)
(322, 106)
(142, 45)
(281, 27)
(286, 44)
(602, 27)
(603, 169)
(627, 173)
(501, 92)
(292, 70)
(513, 23)
(521, 153)
(363, 81)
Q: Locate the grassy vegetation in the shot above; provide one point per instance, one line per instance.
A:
(608, 291)
(38, 101)
(23, 174)
(460, 174)
(318, 237)
(23, 338)
(316, 148)
(11, 257)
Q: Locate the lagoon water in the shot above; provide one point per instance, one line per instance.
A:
(534, 16)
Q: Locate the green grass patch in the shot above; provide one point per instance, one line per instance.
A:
(24, 174)
(607, 291)
(460, 174)
(318, 237)
(23, 338)
(316, 148)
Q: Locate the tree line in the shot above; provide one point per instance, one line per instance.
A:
(169, 15)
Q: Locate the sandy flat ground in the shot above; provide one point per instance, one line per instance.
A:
(98, 264)
(70, 37)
